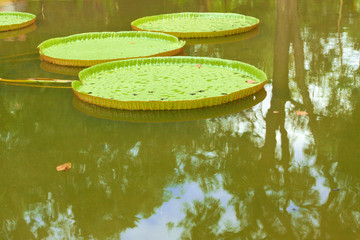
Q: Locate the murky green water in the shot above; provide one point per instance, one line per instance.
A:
(247, 170)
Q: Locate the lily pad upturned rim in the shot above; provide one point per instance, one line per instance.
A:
(122, 34)
(17, 32)
(225, 39)
(248, 69)
(169, 116)
(30, 19)
(60, 69)
(255, 22)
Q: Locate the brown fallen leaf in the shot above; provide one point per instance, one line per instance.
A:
(276, 112)
(198, 65)
(63, 167)
(251, 81)
(301, 113)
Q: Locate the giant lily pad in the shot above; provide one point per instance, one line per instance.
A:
(196, 25)
(89, 49)
(15, 20)
(169, 83)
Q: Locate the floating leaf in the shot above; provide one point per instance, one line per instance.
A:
(196, 25)
(15, 20)
(301, 113)
(63, 167)
(79, 49)
(111, 78)
(251, 81)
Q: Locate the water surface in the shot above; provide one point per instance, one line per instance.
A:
(253, 169)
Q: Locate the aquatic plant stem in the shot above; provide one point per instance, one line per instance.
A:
(36, 80)
(18, 55)
(19, 60)
(32, 85)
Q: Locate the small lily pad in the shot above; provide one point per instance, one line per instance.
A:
(15, 20)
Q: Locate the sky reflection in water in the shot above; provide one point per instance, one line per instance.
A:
(262, 172)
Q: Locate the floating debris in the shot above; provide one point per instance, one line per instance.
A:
(63, 167)
(301, 113)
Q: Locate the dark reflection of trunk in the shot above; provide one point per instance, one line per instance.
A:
(264, 208)
(203, 5)
(280, 95)
(339, 33)
(287, 32)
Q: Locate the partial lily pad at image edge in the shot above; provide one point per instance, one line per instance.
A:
(15, 20)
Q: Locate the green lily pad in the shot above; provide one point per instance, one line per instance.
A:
(167, 83)
(89, 49)
(15, 20)
(195, 25)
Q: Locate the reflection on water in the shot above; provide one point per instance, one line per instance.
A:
(169, 116)
(260, 173)
(18, 34)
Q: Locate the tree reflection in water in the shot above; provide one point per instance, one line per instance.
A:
(251, 175)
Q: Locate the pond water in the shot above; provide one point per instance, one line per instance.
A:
(252, 169)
